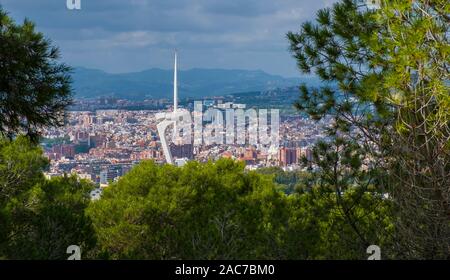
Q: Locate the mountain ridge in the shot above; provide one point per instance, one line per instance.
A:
(157, 83)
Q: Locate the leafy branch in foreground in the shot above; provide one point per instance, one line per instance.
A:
(34, 87)
(386, 84)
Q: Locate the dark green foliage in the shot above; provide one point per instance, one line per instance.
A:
(336, 49)
(39, 218)
(287, 180)
(200, 211)
(218, 211)
(21, 166)
(385, 75)
(34, 87)
(49, 219)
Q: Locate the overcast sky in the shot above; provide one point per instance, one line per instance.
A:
(132, 35)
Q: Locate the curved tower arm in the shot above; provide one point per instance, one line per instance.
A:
(162, 127)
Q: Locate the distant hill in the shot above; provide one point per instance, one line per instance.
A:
(157, 83)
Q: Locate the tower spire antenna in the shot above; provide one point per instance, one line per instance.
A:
(175, 83)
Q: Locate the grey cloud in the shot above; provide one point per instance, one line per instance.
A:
(119, 35)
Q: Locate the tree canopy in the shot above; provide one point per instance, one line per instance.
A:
(34, 87)
(386, 83)
(39, 217)
(218, 211)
